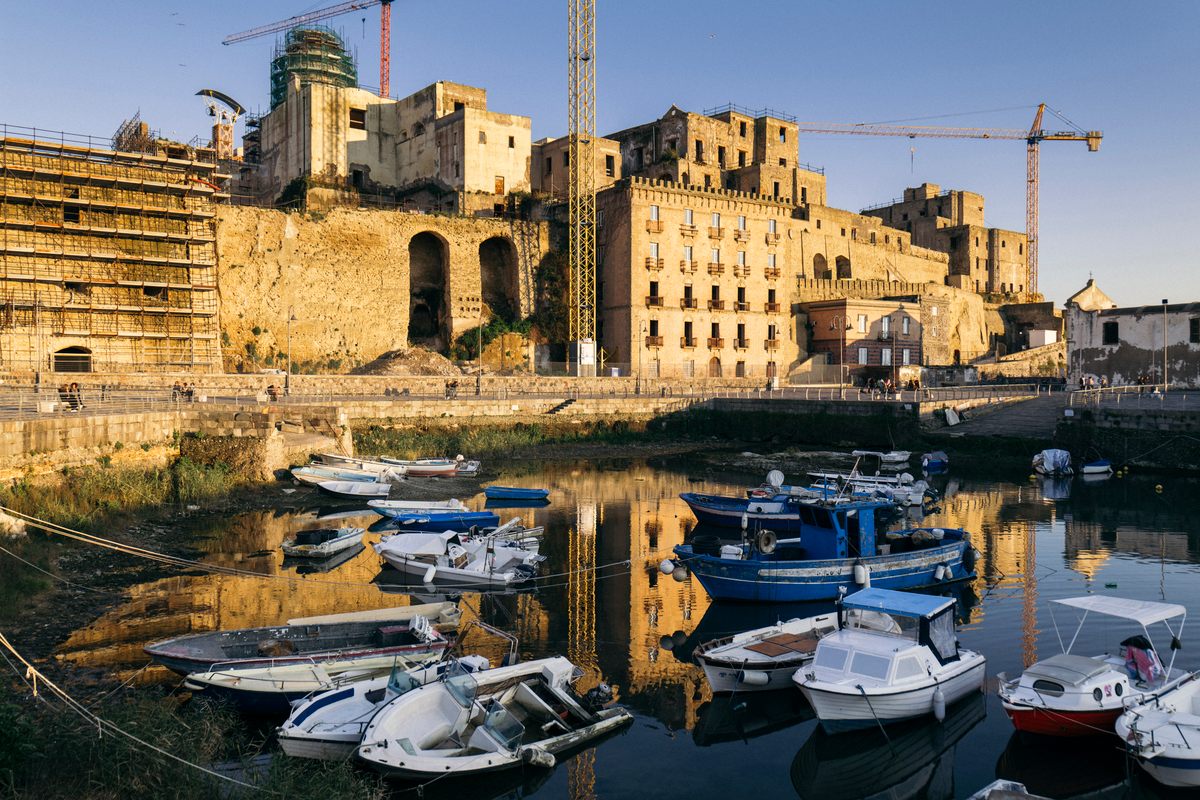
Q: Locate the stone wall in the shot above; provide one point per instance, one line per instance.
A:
(1143, 437)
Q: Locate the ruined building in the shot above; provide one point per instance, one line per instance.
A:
(107, 253)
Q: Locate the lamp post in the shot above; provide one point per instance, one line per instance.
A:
(287, 378)
(842, 321)
(641, 345)
(899, 316)
(1164, 305)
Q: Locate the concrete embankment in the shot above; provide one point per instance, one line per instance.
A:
(1146, 437)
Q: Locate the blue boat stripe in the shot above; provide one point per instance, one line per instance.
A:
(321, 702)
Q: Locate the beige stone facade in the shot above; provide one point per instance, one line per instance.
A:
(550, 165)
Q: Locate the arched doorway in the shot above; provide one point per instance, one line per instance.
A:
(820, 267)
(73, 359)
(714, 367)
(498, 276)
(843, 268)
(428, 258)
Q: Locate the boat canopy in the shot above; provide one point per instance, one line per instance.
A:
(427, 544)
(1143, 612)
(905, 604)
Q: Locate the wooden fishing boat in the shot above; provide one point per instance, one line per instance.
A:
(355, 488)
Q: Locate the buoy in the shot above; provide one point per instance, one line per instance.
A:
(939, 704)
(1158, 488)
(862, 574)
(680, 575)
(667, 566)
(753, 677)
(666, 642)
(678, 637)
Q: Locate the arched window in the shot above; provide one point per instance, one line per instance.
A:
(73, 359)
(820, 267)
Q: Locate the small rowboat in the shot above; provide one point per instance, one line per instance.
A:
(355, 488)
(515, 493)
(314, 474)
(1099, 467)
(322, 542)
(391, 507)
(434, 467)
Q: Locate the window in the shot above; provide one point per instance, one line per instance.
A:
(689, 369)
(71, 213)
(843, 231)
(771, 332)
(654, 213)
(783, 162)
(933, 311)
(639, 158)
(904, 324)
(549, 165)
(566, 158)
(708, 180)
(804, 198)
(716, 220)
(687, 330)
(358, 119)
(1112, 333)
(818, 224)
(741, 331)
(715, 256)
(739, 369)
(872, 237)
(742, 128)
(772, 226)
(654, 288)
(482, 137)
(885, 325)
(1020, 249)
(714, 330)
(741, 294)
(904, 357)
(870, 665)
(908, 668)
(862, 355)
(783, 135)
(1003, 243)
(741, 258)
(687, 292)
(775, 189)
(831, 657)
(770, 295)
(741, 223)
(862, 323)
(1194, 330)
(654, 249)
(720, 155)
(741, 158)
(418, 129)
(699, 150)
(771, 260)
(687, 252)
(885, 356)
(716, 292)
(687, 217)
(512, 142)
(854, 234)
(459, 106)
(654, 327)
(610, 166)
(1048, 688)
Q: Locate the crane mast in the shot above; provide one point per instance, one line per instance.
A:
(581, 183)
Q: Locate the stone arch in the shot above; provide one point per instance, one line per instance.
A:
(498, 269)
(714, 367)
(820, 267)
(73, 359)
(843, 268)
(428, 267)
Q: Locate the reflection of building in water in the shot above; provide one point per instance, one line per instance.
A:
(1086, 551)
(1169, 545)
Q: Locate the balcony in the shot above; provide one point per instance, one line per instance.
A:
(773, 272)
(884, 336)
(741, 235)
(687, 266)
(715, 343)
(741, 305)
(771, 344)
(688, 302)
(741, 344)
(741, 270)
(687, 230)
(654, 301)
(771, 308)
(654, 341)
(716, 269)
(654, 226)
(716, 233)
(772, 238)
(687, 341)
(654, 264)
(716, 305)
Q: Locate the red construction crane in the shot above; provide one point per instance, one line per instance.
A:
(1033, 137)
(385, 31)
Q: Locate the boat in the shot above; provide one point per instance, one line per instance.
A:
(448, 560)
(445, 615)
(839, 547)
(500, 719)
(1053, 462)
(329, 725)
(864, 677)
(434, 467)
(310, 566)
(890, 457)
(1076, 695)
(300, 643)
(910, 760)
(765, 659)
(1163, 733)
(782, 513)
(435, 521)
(355, 488)
(1101, 466)
(514, 493)
(1005, 790)
(321, 542)
(902, 488)
(271, 689)
(935, 462)
(393, 471)
(402, 507)
(314, 474)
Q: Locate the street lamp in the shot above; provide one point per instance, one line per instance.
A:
(899, 316)
(287, 378)
(841, 321)
(1164, 305)
(641, 345)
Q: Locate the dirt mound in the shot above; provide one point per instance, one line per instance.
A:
(410, 361)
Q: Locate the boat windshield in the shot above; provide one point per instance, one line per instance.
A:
(873, 622)
(461, 685)
(503, 726)
(400, 681)
(941, 636)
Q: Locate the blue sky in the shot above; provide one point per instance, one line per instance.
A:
(1125, 214)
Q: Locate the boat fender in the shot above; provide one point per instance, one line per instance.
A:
(680, 575)
(939, 704)
(753, 677)
(939, 574)
(429, 574)
(666, 566)
(968, 558)
(862, 574)
(537, 757)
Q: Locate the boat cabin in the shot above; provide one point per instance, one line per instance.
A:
(925, 620)
(842, 530)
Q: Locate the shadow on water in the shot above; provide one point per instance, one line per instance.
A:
(742, 717)
(1061, 768)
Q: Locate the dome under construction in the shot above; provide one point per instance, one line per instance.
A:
(316, 54)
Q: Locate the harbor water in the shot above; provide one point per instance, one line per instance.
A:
(602, 601)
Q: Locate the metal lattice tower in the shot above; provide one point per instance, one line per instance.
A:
(581, 181)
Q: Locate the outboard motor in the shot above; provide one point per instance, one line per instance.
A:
(598, 697)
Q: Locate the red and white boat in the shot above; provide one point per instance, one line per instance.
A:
(1076, 695)
(435, 467)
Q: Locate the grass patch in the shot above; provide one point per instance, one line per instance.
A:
(493, 440)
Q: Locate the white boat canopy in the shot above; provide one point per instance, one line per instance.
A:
(1143, 612)
(418, 544)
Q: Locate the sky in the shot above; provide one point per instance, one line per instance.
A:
(1125, 215)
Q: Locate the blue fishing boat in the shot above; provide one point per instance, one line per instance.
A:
(444, 520)
(515, 493)
(838, 546)
(783, 512)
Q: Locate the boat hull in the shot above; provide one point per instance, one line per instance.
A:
(1051, 722)
(729, 515)
(319, 749)
(789, 581)
(723, 678)
(413, 572)
(848, 710)
(514, 493)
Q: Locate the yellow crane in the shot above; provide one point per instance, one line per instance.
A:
(581, 184)
(1033, 139)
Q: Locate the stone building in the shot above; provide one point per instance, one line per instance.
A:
(982, 259)
(1122, 344)
(869, 338)
(550, 165)
(107, 253)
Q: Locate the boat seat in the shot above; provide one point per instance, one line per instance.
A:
(1068, 669)
(437, 724)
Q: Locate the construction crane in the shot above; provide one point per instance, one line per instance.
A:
(1033, 138)
(581, 184)
(385, 31)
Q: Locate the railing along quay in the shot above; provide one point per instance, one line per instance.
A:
(1135, 397)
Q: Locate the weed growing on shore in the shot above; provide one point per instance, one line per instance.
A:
(491, 441)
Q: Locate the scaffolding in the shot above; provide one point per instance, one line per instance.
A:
(315, 54)
(107, 252)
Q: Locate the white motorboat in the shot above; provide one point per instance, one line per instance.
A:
(390, 508)
(865, 677)
(766, 658)
(435, 467)
(448, 560)
(1076, 695)
(1163, 733)
(1053, 462)
(321, 542)
(468, 724)
(890, 457)
(333, 460)
(355, 488)
(330, 725)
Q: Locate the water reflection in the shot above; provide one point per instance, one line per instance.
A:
(603, 602)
